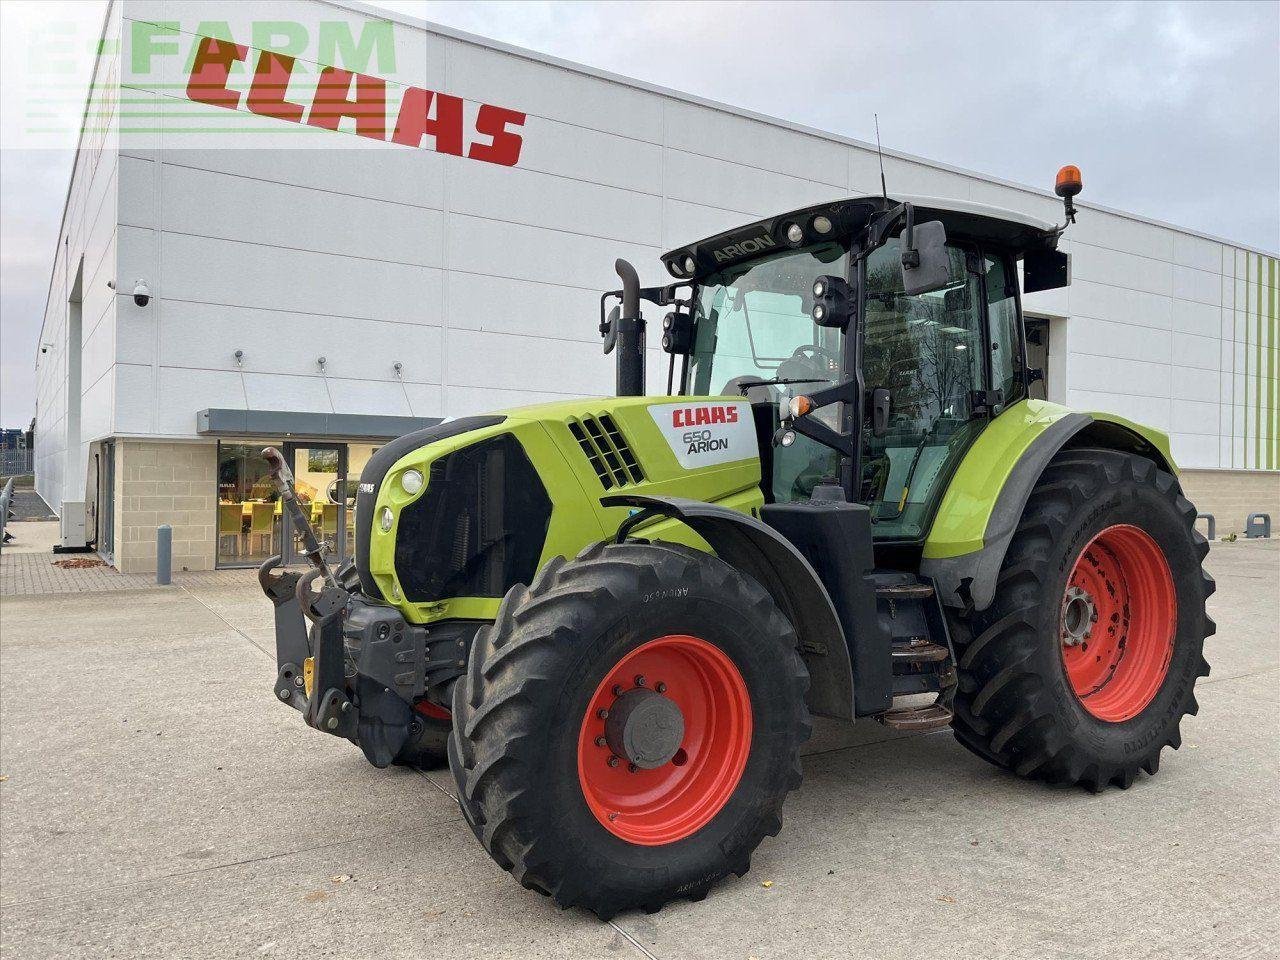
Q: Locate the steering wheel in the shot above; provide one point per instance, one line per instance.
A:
(809, 360)
(335, 488)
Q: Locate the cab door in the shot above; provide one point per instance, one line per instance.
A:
(930, 352)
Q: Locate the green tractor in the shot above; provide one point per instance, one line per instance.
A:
(614, 617)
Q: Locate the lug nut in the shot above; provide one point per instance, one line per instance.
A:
(614, 761)
(661, 687)
(600, 741)
(602, 713)
(297, 681)
(284, 694)
(640, 681)
(632, 768)
(617, 690)
(332, 723)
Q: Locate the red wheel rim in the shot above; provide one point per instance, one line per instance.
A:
(677, 799)
(1117, 623)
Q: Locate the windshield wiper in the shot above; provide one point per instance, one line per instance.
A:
(784, 380)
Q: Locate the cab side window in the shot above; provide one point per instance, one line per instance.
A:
(1002, 318)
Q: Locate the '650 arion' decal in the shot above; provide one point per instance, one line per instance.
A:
(707, 433)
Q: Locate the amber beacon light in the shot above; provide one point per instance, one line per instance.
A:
(1067, 185)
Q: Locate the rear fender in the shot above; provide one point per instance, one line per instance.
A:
(765, 555)
(986, 498)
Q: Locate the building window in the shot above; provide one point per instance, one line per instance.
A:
(248, 506)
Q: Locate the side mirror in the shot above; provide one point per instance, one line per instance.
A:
(1045, 270)
(925, 263)
(610, 331)
(833, 302)
(879, 412)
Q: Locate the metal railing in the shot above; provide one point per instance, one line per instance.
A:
(17, 463)
(5, 498)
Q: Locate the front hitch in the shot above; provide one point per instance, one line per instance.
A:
(295, 598)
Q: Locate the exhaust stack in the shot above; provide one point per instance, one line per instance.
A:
(630, 333)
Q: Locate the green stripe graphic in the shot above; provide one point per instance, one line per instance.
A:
(1271, 364)
(1248, 270)
(1259, 425)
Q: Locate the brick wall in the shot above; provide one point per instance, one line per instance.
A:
(1231, 495)
(173, 483)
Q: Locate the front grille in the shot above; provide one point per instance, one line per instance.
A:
(607, 451)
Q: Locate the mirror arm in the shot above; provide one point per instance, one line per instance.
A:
(910, 255)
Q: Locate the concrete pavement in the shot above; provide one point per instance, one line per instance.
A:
(158, 802)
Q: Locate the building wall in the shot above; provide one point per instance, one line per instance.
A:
(291, 243)
(1231, 495)
(86, 247)
(165, 482)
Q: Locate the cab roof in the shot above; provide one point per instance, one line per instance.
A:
(965, 220)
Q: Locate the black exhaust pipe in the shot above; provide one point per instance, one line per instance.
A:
(630, 330)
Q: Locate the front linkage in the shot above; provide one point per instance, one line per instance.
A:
(360, 671)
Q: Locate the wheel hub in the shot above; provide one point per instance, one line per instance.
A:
(1119, 619)
(645, 728)
(664, 740)
(1079, 614)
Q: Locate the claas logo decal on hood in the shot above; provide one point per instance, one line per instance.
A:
(706, 434)
(699, 416)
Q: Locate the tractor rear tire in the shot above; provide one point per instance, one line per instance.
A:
(572, 768)
(1083, 666)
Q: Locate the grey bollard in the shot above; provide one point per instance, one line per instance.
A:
(1257, 525)
(164, 554)
(1213, 524)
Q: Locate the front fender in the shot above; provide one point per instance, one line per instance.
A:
(761, 552)
(989, 491)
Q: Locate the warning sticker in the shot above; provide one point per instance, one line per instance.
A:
(705, 434)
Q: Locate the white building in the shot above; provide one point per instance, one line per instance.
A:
(330, 279)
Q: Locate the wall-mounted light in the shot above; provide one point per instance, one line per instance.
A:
(398, 367)
(239, 358)
(320, 361)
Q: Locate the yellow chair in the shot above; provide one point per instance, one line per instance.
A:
(262, 529)
(328, 522)
(230, 528)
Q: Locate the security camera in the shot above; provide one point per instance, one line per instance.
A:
(141, 293)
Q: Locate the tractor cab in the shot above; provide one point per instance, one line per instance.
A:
(894, 324)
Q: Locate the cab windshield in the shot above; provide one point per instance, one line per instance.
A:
(755, 337)
(753, 322)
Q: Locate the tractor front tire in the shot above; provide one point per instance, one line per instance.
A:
(1082, 668)
(628, 728)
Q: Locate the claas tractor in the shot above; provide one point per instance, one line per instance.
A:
(614, 617)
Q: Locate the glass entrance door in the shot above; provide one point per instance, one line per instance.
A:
(320, 477)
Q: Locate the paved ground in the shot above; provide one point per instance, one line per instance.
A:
(158, 803)
(27, 505)
(30, 568)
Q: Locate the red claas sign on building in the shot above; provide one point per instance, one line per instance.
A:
(342, 93)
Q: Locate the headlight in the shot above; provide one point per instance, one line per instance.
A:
(411, 481)
(386, 519)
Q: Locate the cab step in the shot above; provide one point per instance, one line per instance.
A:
(932, 716)
(904, 591)
(919, 650)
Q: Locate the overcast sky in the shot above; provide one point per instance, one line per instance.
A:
(1171, 110)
